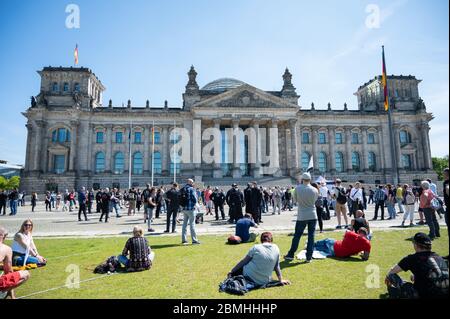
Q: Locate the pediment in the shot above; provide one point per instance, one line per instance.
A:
(245, 96)
(408, 147)
(58, 148)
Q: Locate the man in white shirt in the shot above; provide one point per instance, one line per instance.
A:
(325, 194)
(356, 196)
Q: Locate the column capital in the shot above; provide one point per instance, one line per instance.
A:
(217, 121)
(235, 121)
(274, 122)
(256, 122)
(293, 122)
(364, 128)
(348, 128)
(315, 128)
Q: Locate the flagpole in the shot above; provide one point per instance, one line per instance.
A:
(153, 149)
(391, 132)
(129, 156)
(174, 157)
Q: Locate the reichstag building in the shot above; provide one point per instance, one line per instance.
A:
(74, 139)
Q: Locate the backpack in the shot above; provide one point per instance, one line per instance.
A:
(437, 276)
(184, 198)
(319, 202)
(435, 204)
(110, 265)
(341, 198)
(234, 285)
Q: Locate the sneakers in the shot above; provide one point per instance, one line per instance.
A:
(184, 243)
(338, 227)
(166, 231)
(151, 230)
(288, 258)
(195, 243)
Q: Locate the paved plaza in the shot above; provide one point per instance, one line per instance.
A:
(59, 223)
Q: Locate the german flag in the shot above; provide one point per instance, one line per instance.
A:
(385, 87)
(75, 54)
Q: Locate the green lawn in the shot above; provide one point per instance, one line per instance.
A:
(195, 271)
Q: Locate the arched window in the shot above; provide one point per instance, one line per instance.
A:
(372, 159)
(138, 163)
(100, 162)
(355, 138)
(339, 162)
(407, 162)
(322, 162)
(55, 87)
(119, 163)
(66, 87)
(157, 138)
(405, 137)
(305, 160)
(61, 135)
(157, 164)
(356, 162)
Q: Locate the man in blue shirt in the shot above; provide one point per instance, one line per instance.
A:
(189, 203)
(82, 199)
(243, 229)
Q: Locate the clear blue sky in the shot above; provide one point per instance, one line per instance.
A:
(142, 50)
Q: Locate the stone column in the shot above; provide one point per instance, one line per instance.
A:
(82, 143)
(165, 156)
(197, 148)
(90, 145)
(217, 169)
(147, 155)
(73, 145)
(236, 161)
(28, 153)
(398, 149)
(331, 144)
(348, 147)
(364, 155)
(425, 128)
(294, 150)
(299, 148)
(381, 144)
(109, 156)
(314, 130)
(274, 150)
(41, 147)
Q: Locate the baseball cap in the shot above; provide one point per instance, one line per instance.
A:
(338, 180)
(306, 176)
(422, 239)
(233, 185)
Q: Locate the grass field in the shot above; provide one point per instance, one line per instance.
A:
(195, 271)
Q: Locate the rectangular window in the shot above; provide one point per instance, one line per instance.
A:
(305, 138)
(370, 138)
(322, 138)
(157, 138)
(355, 138)
(99, 138)
(62, 135)
(407, 161)
(119, 137)
(59, 163)
(338, 138)
(137, 137)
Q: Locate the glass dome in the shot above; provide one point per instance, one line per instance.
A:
(222, 85)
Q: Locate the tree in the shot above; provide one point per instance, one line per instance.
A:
(439, 163)
(10, 183)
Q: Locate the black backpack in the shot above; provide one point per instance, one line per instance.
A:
(437, 276)
(110, 265)
(341, 198)
(184, 198)
(234, 285)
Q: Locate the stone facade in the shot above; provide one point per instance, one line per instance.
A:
(74, 140)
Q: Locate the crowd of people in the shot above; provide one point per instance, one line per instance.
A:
(313, 200)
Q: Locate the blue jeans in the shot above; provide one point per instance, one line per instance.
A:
(326, 246)
(189, 216)
(430, 218)
(13, 206)
(149, 212)
(123, 260)
(391, 209)
(299, 229)
(116, 208)
(30, 260)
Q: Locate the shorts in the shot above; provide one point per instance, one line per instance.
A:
(209, 204)
(9, 281)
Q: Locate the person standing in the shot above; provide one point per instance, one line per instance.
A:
(173, 198)
(340, 195)
(218, 198)
(138, 200)
(379, 199)
(306, 197)
(105, 199)
(82, 199)
(53, 199)
(390, 203)
(254, 202)
(3, 199)
(430, 215)
(399, 197)
(409, 203)
(188, 202)
(33, 201)
(325, 194)
(356, 196)
(58, 201)
(371, 194)
(276, 195)
(48, 205)
(208, 202)
(115, 202)
(145, 195)
(90, 200)
(98, 200)
(13, 196)
(132, 202)
(319, 207)
(159, 201)
(151, 206)
(446, 190)
(235, 200)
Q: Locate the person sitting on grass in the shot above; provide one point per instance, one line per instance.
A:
(359, 222)
(430, 273)
(10, 279)
(23, 247)
(141, 256)
(352, 244)
(243, 229)
(259, 263)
